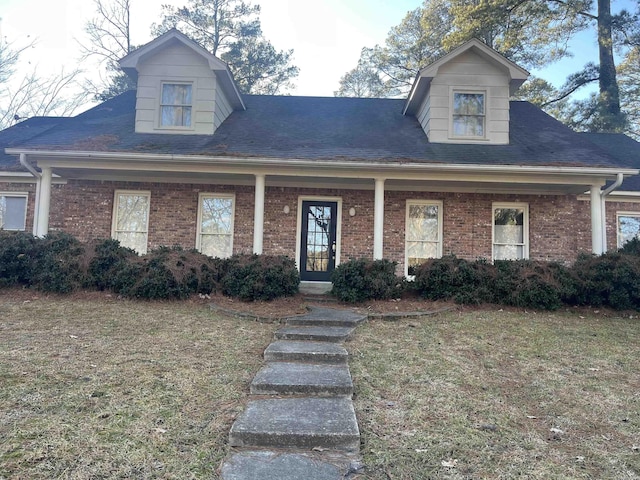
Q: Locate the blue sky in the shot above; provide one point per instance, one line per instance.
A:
(326, 35)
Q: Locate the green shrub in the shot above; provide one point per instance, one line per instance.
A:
(259, 277)
(452, 278)
(110, 264)
(17, 250)
(167, 273)
(361, 279)
(611, 279)
(58, 263)
(632, 247)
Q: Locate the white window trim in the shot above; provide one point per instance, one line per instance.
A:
(453, 90)
(623, 214)
(439, 204)
(159, 105)
(114, 215)
(24, 195)
(201, 197)
(525, 220)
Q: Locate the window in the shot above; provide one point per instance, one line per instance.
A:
(423, 234)
(175, 107)
(215, 225)
(510, 231)
(468, 114)
(131, 219)
(13, 211)
(628, 227)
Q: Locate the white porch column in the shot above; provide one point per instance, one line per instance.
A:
(378, 219)
(258, 215)
(596, 220)
(44, 202)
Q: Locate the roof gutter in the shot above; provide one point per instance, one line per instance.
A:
(27, 165)
(298, 162)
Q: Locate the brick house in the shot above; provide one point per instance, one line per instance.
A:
(456, 168)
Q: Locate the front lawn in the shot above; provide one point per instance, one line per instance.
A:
(95, 387)
(500, 394)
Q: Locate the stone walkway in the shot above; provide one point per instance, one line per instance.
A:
(301, 423)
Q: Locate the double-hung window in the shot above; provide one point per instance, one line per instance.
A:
(176, 105)
(215, 224)
(628, 227)
(13, 211)
(469, 114)
(510, 231)
(130, 224)
(423, 233)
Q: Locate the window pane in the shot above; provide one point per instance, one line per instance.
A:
(468, 126)
(217, 215)
(176, 94)
(423, 223)
(508, 252)
(468, 103)
(418, 252)
(628, 228)
(216, 245)
(13, 213)
(133, 212)
(509, 225)
(133, 240)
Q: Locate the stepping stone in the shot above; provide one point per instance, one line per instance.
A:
(306, 351)
(318, 334)
(298, 422)
(302, 378)
(263, 465)
(329, 317)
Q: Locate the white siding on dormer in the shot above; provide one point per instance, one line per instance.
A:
(179, 64)
(467, 72)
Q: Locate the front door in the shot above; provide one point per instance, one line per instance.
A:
(318, 240)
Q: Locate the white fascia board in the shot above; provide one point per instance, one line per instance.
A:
(305, 167)
(26, 177)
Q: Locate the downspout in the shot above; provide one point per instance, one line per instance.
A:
(34, 172)
(603, 195)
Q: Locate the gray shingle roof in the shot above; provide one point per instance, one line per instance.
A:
(20, 133)
(624, 149)
(357, 129)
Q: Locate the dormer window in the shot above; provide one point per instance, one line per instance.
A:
(176, 105)
(469, 114)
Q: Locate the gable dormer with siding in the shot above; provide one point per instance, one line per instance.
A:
(464, 96)
(181, 87)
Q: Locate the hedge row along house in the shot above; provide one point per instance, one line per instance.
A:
(455, 168)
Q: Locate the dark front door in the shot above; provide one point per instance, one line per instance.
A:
(318, 240)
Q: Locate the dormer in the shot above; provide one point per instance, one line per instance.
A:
(464, 96)
(181, 87)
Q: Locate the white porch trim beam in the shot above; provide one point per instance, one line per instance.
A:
(378, 219)
(258, 215)
(44, 203)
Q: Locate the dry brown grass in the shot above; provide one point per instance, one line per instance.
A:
(482, 390)
(102, 388)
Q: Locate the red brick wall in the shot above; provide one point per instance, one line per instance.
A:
(559, 226)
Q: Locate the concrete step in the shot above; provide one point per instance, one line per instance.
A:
(306, 351)
(298, 422)
(318, 334)
(282, 378)
(320, 316)
(266, 465)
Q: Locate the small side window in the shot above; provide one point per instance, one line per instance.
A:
(215, 225)
(628, 227)
(176, 105)
(423, 233)
(131, 219)
(510, 231)
(13, 211)
(468, 114)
